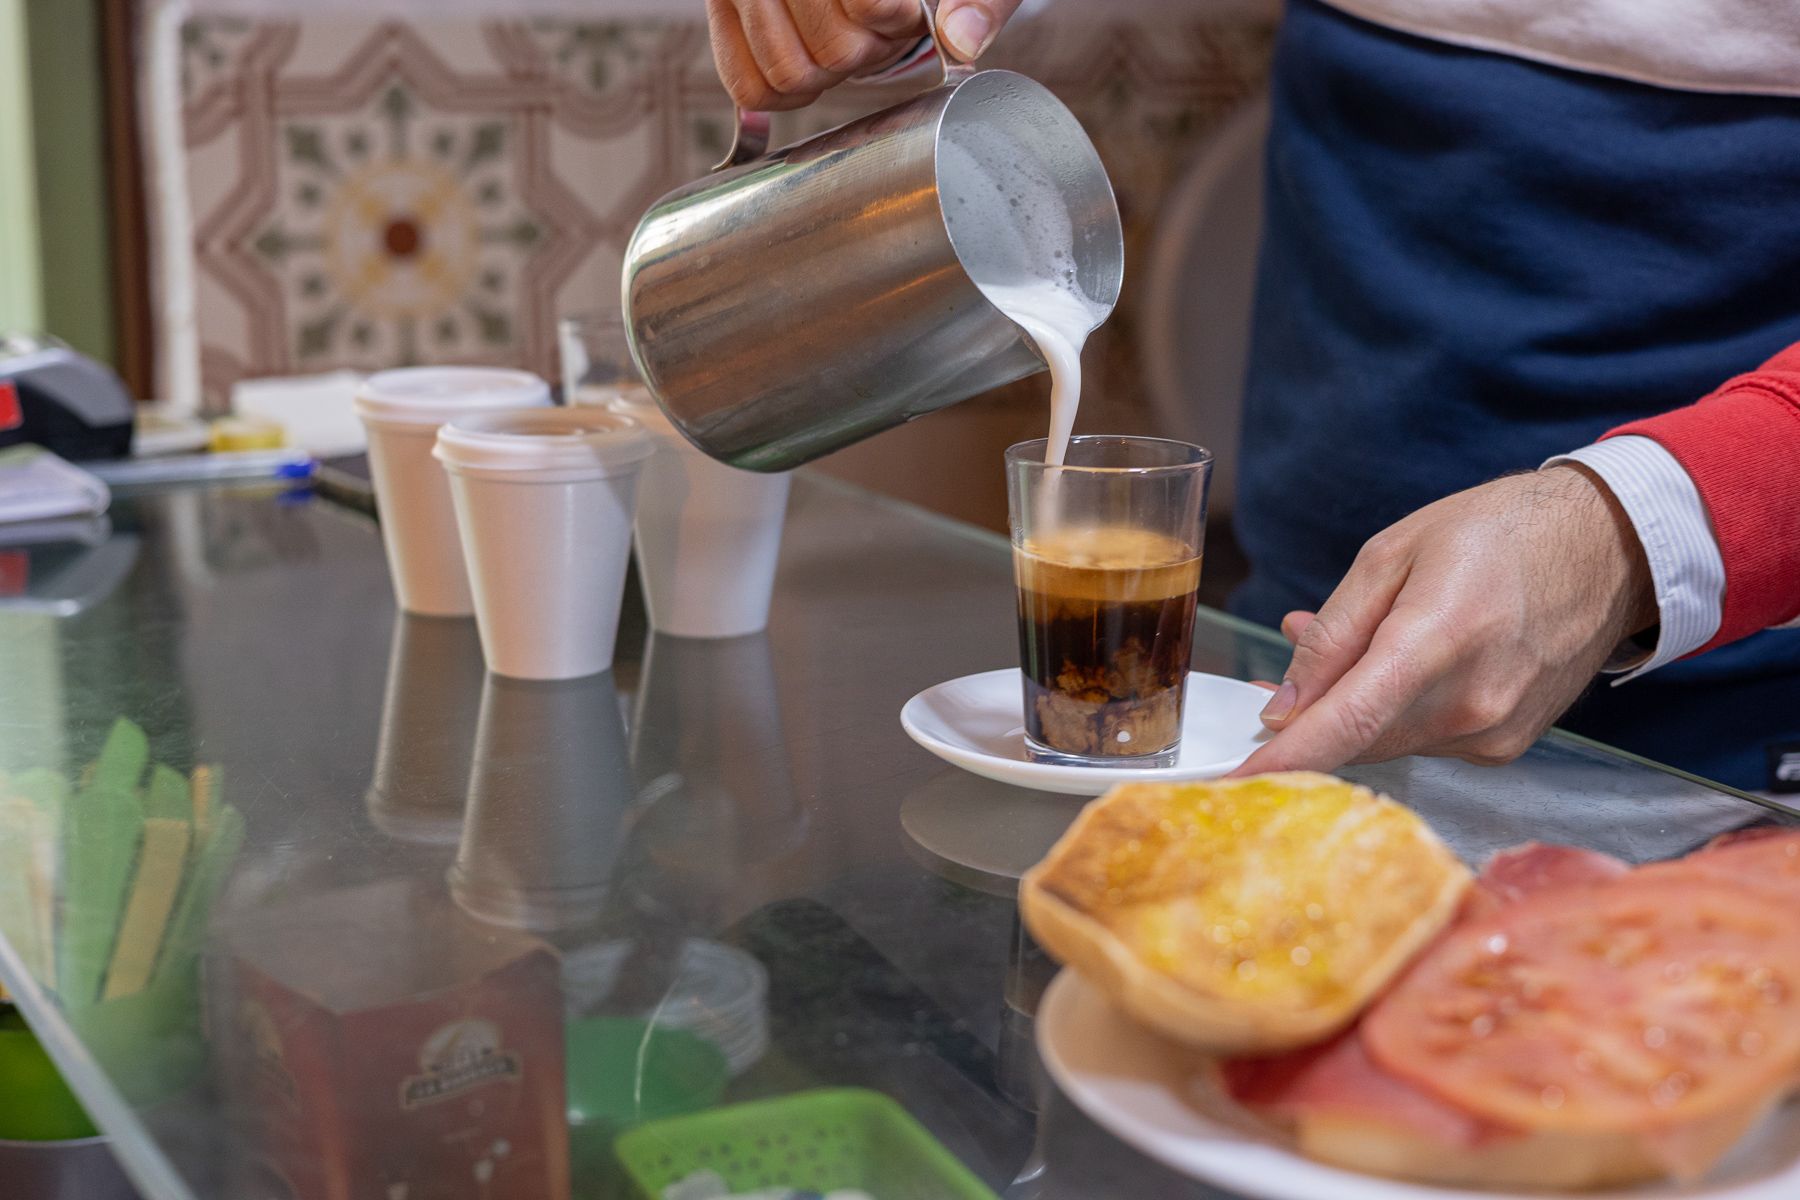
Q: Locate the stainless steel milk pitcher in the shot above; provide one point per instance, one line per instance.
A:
(784, 307)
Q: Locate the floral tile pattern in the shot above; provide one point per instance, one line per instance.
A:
(373, 193)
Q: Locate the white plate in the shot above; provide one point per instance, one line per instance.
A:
(1155, 1096)
(977, 722)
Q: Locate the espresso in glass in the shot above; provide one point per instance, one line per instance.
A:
(1106, 555)
(1106, 624)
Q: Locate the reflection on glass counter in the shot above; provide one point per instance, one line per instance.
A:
(710, 755)
(63, 566)
(374, 1041)
(428, 715)
(108, 881)
(543, 830)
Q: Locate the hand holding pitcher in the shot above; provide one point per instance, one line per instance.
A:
(773, 55)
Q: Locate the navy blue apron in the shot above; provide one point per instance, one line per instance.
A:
(1472, 262)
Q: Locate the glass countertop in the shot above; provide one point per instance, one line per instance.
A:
(305, 904)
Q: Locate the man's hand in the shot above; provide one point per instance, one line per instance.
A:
(779, 54)
(1465, 629)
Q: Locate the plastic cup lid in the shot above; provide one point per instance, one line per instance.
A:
(433, 395)
(543, 439)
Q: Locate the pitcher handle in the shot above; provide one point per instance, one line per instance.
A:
(954, 70)
(750, 140)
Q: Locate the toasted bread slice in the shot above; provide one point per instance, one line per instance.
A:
(1242, 916)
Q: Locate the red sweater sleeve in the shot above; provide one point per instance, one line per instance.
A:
(1741, 447)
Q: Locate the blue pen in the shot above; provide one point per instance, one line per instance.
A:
(203, 468)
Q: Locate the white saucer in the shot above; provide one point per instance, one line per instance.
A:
(977, 722)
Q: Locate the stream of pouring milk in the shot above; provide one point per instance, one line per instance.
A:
(1057, 322)
(1013, 230)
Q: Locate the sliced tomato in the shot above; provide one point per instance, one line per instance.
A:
(1620, 1007)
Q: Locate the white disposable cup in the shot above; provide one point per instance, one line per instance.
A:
(707, 535)
(544, 502)
(402, 411)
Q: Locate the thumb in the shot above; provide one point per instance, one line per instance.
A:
(1327, 645)
(968, 27)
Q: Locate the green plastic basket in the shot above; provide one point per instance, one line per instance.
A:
(812, 1141)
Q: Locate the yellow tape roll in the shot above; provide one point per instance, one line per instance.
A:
(245, 433)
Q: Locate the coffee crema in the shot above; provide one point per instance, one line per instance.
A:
(1106, 619)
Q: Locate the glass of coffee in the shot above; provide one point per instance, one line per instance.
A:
(1106, 554)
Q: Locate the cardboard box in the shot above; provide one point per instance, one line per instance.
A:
(379, 1044)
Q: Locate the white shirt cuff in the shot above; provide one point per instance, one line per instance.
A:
(1665, 509)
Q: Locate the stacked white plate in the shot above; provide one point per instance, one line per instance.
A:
(718, 993)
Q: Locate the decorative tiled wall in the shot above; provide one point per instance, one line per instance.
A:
(368, 193)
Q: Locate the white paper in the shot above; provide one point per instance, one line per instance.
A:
(317, 412)
(36, 485)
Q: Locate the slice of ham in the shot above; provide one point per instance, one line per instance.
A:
(1511, 875)
(1523, 870)
(1755, 833)
(1770, 852)
(1766, 859)
(1338, 1077)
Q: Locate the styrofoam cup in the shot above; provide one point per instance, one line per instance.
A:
(544, 502)
(707, 535)
(402, 411)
